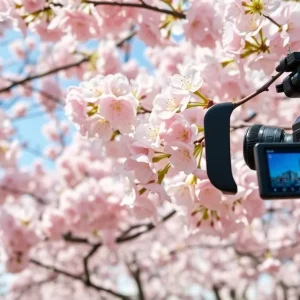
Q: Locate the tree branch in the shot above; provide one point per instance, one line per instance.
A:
(273, 21)
(142, 5)
(17, 192)
(86, 262)
(135, 272)
(79, 278)
(150, 227)
(217, 292)
(50, 72)
(284, 290)
(264, 88)
(124, 236)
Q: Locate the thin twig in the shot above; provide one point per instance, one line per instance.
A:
(264, 88)
(135, 272)
(79, 278)
(150, 227)
(124, 236)
(17, 192)
(50, 72)
(217, 292)
(126, 39)
(50, 97)
(273, 21)
(143, 5)
(86, 263)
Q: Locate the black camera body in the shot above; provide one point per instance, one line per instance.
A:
(272, 152)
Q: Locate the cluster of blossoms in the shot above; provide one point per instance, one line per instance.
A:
(8, 149)
(17, 239)
(162, 148)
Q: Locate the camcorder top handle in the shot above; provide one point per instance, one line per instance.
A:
(217, 124)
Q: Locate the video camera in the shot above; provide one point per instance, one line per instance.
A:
(271, 151)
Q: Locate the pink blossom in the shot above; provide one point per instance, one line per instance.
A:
(81, 25)
(117, 85)
(194, 115)
(145, 88)
(119, 111)
(32, 6)
(203, 26)
(144, 208)
(17, 48)
(291, 24)
(149, 31)
(16, 262)
(148, 134)
(52, 152)
(108, 61)
(231, 40)
(47, 34)
(53, 224)
(93, 89)
(9, 153)
(6, 128)
(141, 166)
(270, 265)
(208, 195)
(253, 204)
(20, 109)
(189, 81)
(182, 195)
(50, 94)
(182, 157)
(168, 103)
(181, 131)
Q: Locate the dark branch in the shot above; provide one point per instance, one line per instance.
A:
(273, 21)
(150, 227)
(142, 5)
(264, 88)
(126, 39)
(86, 262)
(217, 292)
(79, 278)
(125, 236)
(284, 290)
(135, 272)
(50, 72)
(17, 192)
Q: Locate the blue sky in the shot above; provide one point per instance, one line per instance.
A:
(282, 162)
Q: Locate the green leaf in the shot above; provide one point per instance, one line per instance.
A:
(200, 129)
(160, 157)
(142, 191)
(162, 173)
(226, 62)
(93, 111)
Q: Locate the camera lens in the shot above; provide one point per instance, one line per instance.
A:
(262, 134)
(295, 79)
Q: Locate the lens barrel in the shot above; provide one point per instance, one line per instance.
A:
(259, 133)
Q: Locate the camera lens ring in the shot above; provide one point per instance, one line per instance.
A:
(250, 139)
(261, 134)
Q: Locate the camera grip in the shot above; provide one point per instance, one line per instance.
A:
(217, 145)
